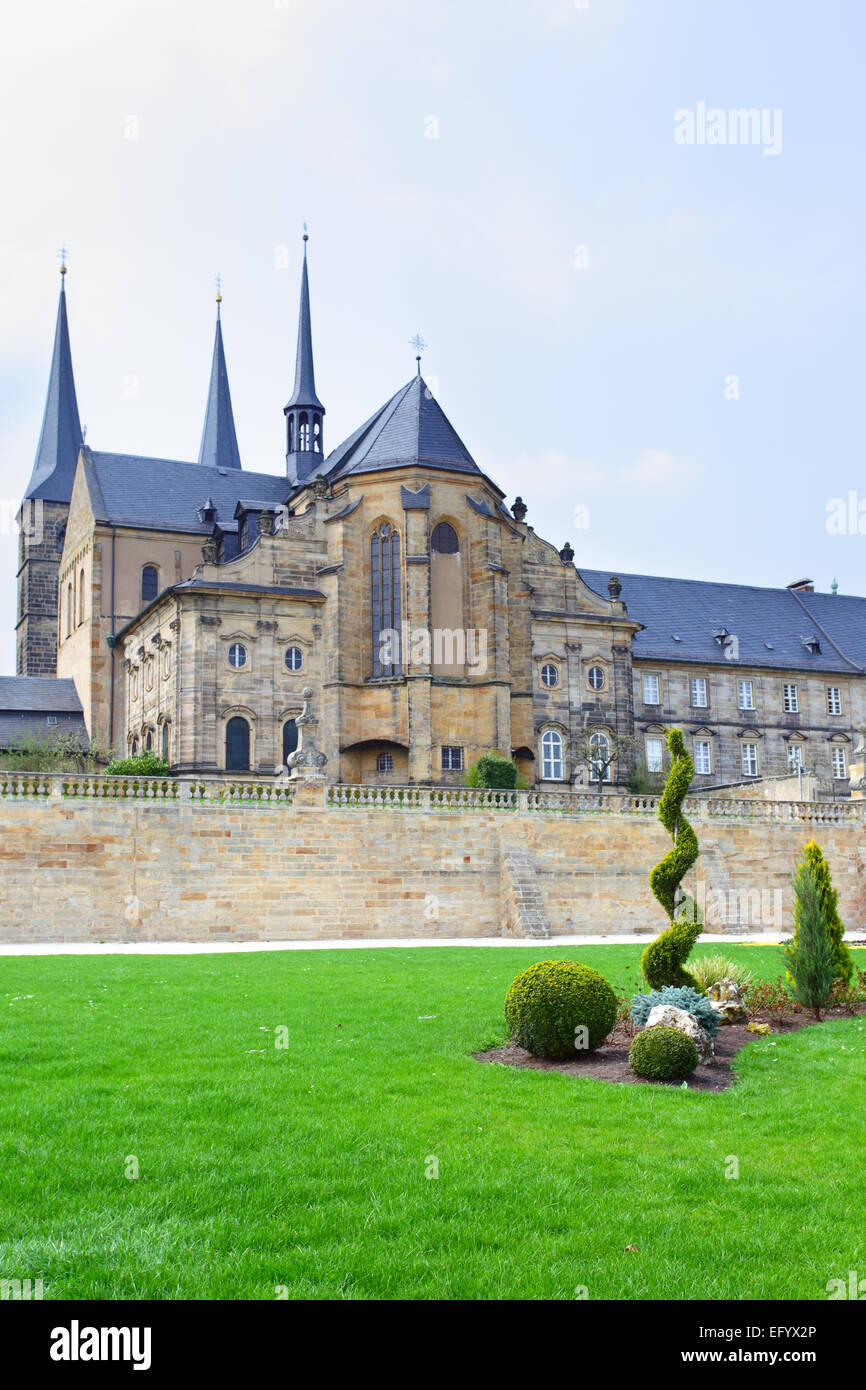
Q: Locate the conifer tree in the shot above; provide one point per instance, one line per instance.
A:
(809, 955)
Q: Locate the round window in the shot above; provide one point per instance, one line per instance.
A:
(294, 658)
(237, 655)
(549, 675)
(596, 677)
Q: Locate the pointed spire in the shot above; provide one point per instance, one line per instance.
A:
(219, 443)
(304, 393)
(61, 437)
(304, 412)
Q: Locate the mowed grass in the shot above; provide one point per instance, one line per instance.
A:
(306, 1167)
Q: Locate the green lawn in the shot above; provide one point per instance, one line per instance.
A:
(305, 1167)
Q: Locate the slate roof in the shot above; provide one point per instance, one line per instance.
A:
(165, 495)
(38, 694)
(411, 428)
(769, 624)
(304, 392)
(219, 443)
(60, 439)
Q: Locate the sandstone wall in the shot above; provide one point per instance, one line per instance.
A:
(197, 864)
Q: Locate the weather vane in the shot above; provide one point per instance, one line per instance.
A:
(63, 254)
(218, 282)
(419, 345)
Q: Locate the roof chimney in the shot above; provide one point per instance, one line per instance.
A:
(802, 586)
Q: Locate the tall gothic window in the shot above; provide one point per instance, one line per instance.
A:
(385, 578)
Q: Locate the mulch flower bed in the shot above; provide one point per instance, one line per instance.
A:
(610, 1061)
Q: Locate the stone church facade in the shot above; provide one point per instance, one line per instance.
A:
(192, 603)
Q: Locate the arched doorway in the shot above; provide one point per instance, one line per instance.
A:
(237, 745)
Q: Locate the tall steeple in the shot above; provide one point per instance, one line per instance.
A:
(304, 412)
(60, 439)
(219, 443)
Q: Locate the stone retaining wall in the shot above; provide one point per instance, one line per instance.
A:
(98, 859)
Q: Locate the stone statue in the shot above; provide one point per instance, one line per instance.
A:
(307, 761)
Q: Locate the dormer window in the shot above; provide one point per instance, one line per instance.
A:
(812, 645)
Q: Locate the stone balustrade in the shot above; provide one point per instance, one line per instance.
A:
(280, 791)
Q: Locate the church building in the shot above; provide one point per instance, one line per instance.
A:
(192, 602)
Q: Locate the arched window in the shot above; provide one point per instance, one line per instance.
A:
(551, 755)
(290, 739)
(165, 757)
(385, 578)
(303, 431)
(291, 437)
(237, 745)
(444, 539)
(149, 583)
(599, 756)
(68, 609)
(148, 742)
(81, 597)
(134, 747)
(317, 432)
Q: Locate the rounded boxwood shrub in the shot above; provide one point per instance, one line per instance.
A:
(662, 1053)
(547, 1004)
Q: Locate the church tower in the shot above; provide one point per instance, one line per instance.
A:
(43, 512)
(219, 442)
(304, 412)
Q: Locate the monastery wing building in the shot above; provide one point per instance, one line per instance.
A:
(192, 603)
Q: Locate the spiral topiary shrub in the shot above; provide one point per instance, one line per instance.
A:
(662, 961)
(662, 1054)
(549, 1002)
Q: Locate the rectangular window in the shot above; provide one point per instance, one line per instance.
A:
(750, 759)
(839, 768)
(385, 762)
(699, 692)
(795, 756)
(654, 749)
(452, 759)
(651, 690)
(834, 699)
(51, 719)
(790, 699)
(703, 762)
(745, 695)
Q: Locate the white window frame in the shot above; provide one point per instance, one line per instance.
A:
(699, 688)
(703, 746)
(602, 683)
(839, 761)
(790, 698)
(384, 762)
(549, 684)
(239, 647)
(834, 699)
(448, 763)
(593, 771)
(749, 754)
(745, 695)
(653, 763)
(300, 651)
(795, 756)
(651, 683)
(552, 762)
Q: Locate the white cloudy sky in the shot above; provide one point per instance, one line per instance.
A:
(167, 141)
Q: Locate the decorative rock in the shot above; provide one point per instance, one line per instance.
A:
(762, 1028)
(726, 998)
(684, 1023)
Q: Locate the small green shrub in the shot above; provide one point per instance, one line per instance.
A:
(547, 1003)
(843, 962)
(492, 770)
(708, 970)
(680, 997)
(771, 997)
(662, 960)
(142, 765)
(810, 956)
(662, 1054)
